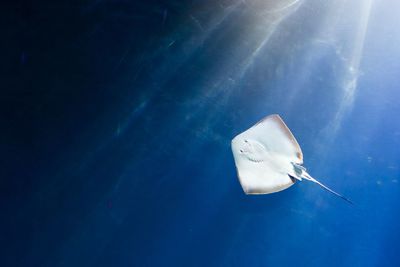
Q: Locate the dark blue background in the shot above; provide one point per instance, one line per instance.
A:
(117, 116)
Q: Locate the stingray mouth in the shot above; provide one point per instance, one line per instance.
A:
(254, 159)
(250, 156)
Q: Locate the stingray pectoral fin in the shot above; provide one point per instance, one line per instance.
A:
(260, 178)
(309, 178)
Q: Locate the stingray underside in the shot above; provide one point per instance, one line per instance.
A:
(273, 170)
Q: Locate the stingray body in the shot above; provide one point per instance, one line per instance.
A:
(268, 158)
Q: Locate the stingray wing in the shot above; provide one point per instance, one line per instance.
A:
(273, 133)
(261, 177)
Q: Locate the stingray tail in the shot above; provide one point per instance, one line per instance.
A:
(306, 176)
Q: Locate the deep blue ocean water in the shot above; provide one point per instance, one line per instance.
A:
(117, 118)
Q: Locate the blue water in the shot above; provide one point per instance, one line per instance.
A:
(117, 118)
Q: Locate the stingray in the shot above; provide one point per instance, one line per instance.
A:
(268, 158)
